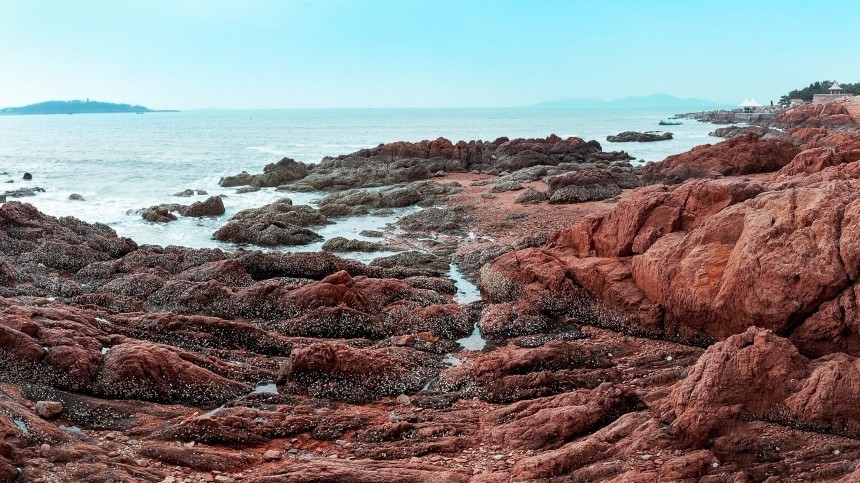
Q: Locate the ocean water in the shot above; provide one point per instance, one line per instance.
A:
(124, 162)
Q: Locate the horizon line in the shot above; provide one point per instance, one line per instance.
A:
(539, 104)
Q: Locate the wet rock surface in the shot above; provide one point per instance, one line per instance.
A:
(639, 137)
(274, 174)
(163, 213)
(701, 331)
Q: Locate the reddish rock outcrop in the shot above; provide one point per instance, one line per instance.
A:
(212, 206)
(341, 372)
(751, 372)
(278, 223)
(404, 162)
(154, 372)
(274, 174)
(737, 156)
(831, 116)
(174, 363)
(590, 185)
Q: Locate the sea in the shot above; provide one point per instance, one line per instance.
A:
(120, 163)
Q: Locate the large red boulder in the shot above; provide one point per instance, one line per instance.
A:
(751, 372)
(768, 261)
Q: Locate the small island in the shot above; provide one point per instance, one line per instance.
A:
(76, 107)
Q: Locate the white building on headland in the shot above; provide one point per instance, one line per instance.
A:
(749, 106)
(834, 93)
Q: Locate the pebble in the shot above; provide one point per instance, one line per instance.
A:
(48, 409)
(415, 459)
(271, 455)
(498, 457)
(646, 457)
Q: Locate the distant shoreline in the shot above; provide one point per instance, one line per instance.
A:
(87, 112)
(77, 107)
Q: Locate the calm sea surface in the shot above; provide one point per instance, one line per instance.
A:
(123, 162)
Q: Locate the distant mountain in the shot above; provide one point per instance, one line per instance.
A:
(654, 100)
(74, 107)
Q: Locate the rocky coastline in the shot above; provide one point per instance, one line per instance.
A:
(694, 319)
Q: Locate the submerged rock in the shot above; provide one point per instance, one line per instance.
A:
(157, 214)
(212, 206)
(23, 192)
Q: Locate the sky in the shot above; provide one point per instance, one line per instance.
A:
(186, 54)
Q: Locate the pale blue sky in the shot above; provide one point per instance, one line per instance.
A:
(398, 53)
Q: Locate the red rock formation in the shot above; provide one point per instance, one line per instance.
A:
(365, 390)
(831, 116)
(751, 372)
(739, 155)
(341, 372)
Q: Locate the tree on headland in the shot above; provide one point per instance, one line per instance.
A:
(817, 88)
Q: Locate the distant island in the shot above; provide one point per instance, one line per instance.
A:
(651, 101)
(76, 107)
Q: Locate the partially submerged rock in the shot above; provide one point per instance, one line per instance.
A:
(163, 213)
(639, 137)
(275, 174)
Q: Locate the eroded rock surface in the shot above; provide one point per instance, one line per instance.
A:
(701, 331)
